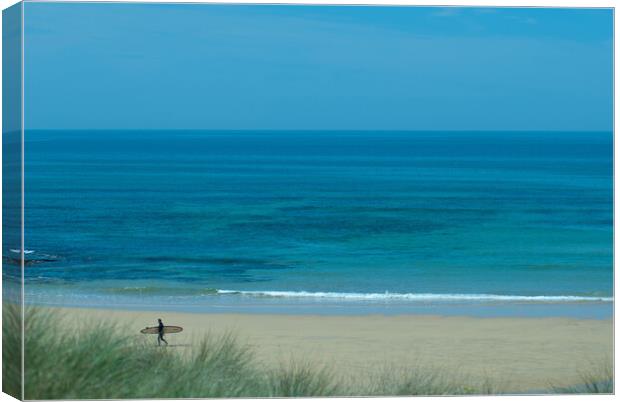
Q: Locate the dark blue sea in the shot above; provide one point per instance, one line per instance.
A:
(488, 223)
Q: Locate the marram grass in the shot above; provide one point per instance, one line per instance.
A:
(594, 379)
(101, 363)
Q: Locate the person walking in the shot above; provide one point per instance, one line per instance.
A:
(160, 333)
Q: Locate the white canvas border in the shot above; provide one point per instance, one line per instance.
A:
(475, 3)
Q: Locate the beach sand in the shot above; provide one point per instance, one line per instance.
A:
(514, 354)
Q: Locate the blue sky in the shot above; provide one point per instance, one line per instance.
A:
(154, 66)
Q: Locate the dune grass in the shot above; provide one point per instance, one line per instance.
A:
(301, 378)
(11, 350)
(425, 380)
(99, 362)
(595, 379)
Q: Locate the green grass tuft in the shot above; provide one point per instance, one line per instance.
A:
(11, 349)
(594, 380)
(303, 379)
(421, 381)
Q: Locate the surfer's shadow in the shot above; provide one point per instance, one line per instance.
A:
(182, 345)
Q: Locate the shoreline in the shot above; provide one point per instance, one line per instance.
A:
(213, 301)
(516, 354)
(600, 310)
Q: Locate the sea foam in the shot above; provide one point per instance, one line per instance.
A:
(414, 296)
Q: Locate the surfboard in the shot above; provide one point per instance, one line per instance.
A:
(168, 329)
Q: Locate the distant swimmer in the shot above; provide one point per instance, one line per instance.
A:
(160, 333)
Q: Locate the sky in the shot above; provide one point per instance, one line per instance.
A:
(265, 67)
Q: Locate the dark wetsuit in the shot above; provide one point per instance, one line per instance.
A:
(160, 336)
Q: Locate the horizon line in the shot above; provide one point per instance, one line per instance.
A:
(312, 130)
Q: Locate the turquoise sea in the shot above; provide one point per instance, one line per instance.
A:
(483, 223)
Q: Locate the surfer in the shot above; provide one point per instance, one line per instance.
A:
(160, 333)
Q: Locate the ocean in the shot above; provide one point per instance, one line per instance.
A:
(482, 223)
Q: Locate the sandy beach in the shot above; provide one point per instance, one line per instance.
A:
(514, 354)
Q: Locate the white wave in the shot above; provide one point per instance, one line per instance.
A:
(413, 296)
(17, 251)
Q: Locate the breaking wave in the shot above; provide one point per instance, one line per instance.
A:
(413, 296)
